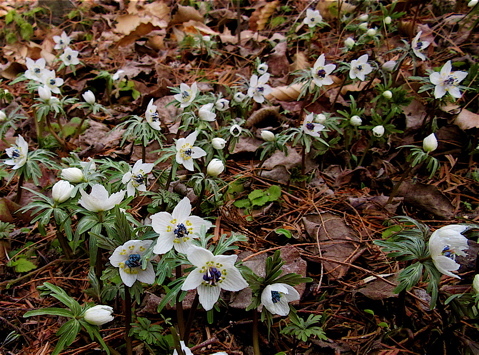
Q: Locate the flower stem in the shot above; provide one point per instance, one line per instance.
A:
(54, 134)
(64, 244)
(191, 316)
(129, 346)
(365, 153)
(339, 91)
(179, 307)
(256, 349)
(201, 195)
(21, 179)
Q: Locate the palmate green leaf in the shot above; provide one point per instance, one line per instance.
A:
(63, 297)
(21, 265)
(51, 311)
(95, 334)
(409, 277)
(67, 332)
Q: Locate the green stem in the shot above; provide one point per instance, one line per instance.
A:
(365, 153)
(179, 307)
(129, 345)
(64, 244)
(201, 195)
(54, 134)
(256, 349)
(18, 197)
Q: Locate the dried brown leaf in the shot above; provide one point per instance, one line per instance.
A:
(286, 93)
(185, 14)
(300, 62)
(467, 119)
(265, 14)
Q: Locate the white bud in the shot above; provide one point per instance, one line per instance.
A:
(349, 42)
(388, 94)
(268, 136)
(44, 93)
(429, 143)
(218, 143)
(239, 97)
(363, 26)
(262, 68)
(235, 130)
(472, 3)
(89, 97)
(475, 283)
(363, 17)
(388, 20)
(99, 315)
(222, 105)
(356, 121)
(3, 116)
(378, 131)
(389, 65)
(371, 32)
(215, 167)
(62, 191)
(320, 118)
(72, 174)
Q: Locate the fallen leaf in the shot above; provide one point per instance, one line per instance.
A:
(467, 119)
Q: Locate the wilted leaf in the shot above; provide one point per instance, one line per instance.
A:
(467, 119)
(286, 93)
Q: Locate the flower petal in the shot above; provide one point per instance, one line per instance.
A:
(193, 280)
(148, 275)
(233, 280)
(208, 295)
(199, 256)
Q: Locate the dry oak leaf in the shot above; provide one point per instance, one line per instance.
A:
(467, 119)
(286, 93)
(185, 14)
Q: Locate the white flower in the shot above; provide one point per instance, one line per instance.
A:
(45, 93)
(275, 298)
(364, 26)
(258, 88)
(205, 113)
(222, 105)
(239, 97)
(389, 65)
(152, 116)
(136, 178)
(99, 200)
(89, 97)
(262, 68)
(310, 127)
(187, 95)
(378, 131)
(215, 167)
(118, 75)
(444, 245)
(186, 350)
(50, 80)
(447, 81)
(61, 41)
(3, 116)
(321, 72)
(360, 68)
(313, 17)
(388, 20)
(128, 258)
(70, 57)
(218, 143)
(35, 69)
(177, 229)
(212, 273)
(72, 175)
(363, 17)
(387, 94)
(475, 284)
(186, 152)
(418, 46)
(349, 42)
(371, 32)
(355, 121)
(99, 315)
(472, 3)
(429, 143)
(62, 191)
(235, 130)
(320, 118)
(17, 153)
(268, 136)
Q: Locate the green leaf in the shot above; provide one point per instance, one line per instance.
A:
(286, 232)
(67, 333)
(273, 193)
(51, 311)
(245, 203)
(22, 265)
(260, 201)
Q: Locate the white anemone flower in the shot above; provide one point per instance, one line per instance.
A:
(99, 314)
(61, 41)
(360, 68)
(313, 17)
(99, 199)
(218, 143)
(235, 130)
(212, 273)
(118, 75)
(418, 46)
(62, 191)
(275, 298)
(310, 127)
(128, 258)
(3, 116)
(72, 175)
(136, 178)
(215, 167)
(258, 88)
(35, 69)
(45, 93)
(178, 228)
(152, 116)
(222, 105)
(429, 144)
(89, 97)
(187, 94)
(70, 57)
(186, 350)
(378, 131)
(205, 113)
(239, 97)
(17, 153)
(321, 72)
(186, 152)
(262, 68)
(444, 245)
(50, 80)
(447, 81)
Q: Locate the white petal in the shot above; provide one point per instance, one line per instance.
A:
(128, 279)
(208, 295)
(193, 280)
(233, 281)
(199, 256)
(183, 246)
(197, 152)
(182, 210)
(164, 244)
(188, 164)
(445, 265)
(148, 275)
(160, 222)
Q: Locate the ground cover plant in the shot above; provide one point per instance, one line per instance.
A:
(239, 177)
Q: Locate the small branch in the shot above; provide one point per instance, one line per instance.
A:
(129, 345)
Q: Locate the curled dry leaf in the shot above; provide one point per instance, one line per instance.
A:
(300, 62)
(261, 15)
(467, 119)
(185, 14)
(286, 93)
(329, 8)
(269, 115)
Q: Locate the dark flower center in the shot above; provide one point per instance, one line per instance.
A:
(310, 126)
(69, 57)
(15, 153)
(181, 231)
(139, 179)
(260, 89)
(419, 45)
(185, 94)
(37, 70)
(359, 67)
(321, 73)
(155, 117)
(188, 152)
(447, 252)
(52, 81)
(451, 80)
(275, 296)
(134, 260)
(212, 276)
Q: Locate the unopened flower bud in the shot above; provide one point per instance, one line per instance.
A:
(387, 94)
(475, 283)
(389, 65)
(239, 97)
(363, 17)
(99, 315)
(378, 131)
(268, 136)
(371, 32)
(349, 42)
(218, 143)
(429, 143)
(262, 68)
(472, 3)
(363, 26)
(215, 167)
(320, 118)
(44, 93)
(72, 174)
(356, 121)
(89, 97)
(3, 116)
(388, 20)
(62, 191)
